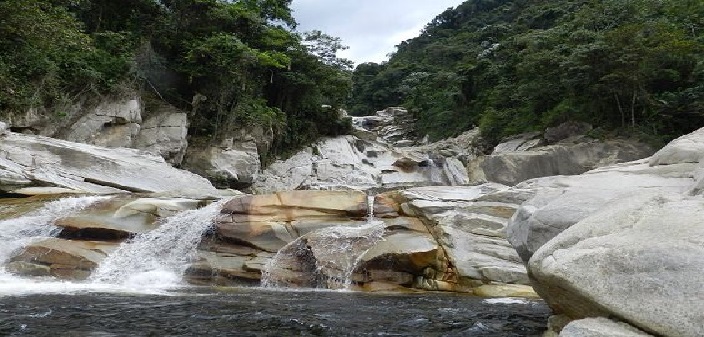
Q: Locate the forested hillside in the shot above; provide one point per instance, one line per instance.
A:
(228, 63)
(511, 66)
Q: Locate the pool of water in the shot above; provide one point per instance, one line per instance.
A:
(264, 312)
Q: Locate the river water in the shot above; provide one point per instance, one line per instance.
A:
(262, 312)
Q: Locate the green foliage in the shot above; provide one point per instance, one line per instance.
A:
(516, 66)
(230, 63)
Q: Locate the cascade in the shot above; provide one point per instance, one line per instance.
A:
(325, 258)
(18, 232)
(158, 257)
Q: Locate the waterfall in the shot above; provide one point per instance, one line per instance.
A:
(325, 258)
(158, 257)
(18, 232)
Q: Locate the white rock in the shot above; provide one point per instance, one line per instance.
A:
(93, 169)
(686, 149)
(600, 327)
(638, 259)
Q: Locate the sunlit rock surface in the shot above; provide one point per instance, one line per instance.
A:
(234, 162)
(623, 241)
(61, 258)
(565, 158)
(381, 154)
(600, 327)
(31, 161)
(434, 238)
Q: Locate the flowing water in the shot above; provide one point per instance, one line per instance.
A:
(332, 252)
(137, 291)
(19, 232)
(159, 257)
(258, 312)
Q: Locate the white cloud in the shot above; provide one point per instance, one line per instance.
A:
(371, 28)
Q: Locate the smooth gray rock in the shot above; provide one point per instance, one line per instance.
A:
(600, 327)
(113, 123)
(471, 232)
(686, 149)
(561, 201)
(40, 161)
(522, 142)
(638, 258)
(511, 168)
(164, 133)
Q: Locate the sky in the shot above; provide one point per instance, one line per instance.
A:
(371, 28)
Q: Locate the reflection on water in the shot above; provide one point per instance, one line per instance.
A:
(259, 312)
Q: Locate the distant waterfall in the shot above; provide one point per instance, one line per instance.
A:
(19, 232)
(159, 257)
(325, 258)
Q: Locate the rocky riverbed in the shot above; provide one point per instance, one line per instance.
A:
(605, 233)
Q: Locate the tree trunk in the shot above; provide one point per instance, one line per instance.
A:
(620, 109)
(633, 109)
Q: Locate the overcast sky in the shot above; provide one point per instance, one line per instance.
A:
(371, 28)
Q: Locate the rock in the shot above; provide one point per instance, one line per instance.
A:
(350, 163)
(112, 123)
(121, 218)
(65, 258)
(36, 161)
(600, 327)
(510, 168)
(686, 149)
(28, 269)
(638, 259)
(404, 252)
(158, 207)
(393, 126)
(225, 269)
(269, 222)
(164, 133)
(45, 191)
(505, 290)
(566, 130)
(560, 202)
(3, 128)
(470, 231)
(521, 142)
(289, 205)
(230, 165)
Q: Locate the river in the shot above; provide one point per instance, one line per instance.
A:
(265, 312)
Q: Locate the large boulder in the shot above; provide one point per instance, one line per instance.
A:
(638, 259)
(112, 123)
(121, 218)
(469, 223)
(622, 241)
(513, 167)
(561, 201)
(65, 259)
(164, 133)
(600, 327)
(234, 162)
(28, 161)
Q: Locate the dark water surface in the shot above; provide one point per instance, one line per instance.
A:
(257, 312)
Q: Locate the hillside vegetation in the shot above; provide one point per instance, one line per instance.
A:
(522, 65)
(229, 63)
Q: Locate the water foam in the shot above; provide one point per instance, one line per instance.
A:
(335, 251)
(157, 259)
(36, 225)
